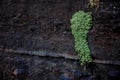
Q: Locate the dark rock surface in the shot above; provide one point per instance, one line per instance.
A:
(38, 24)
(32, 25)
(40, 68)
(104, 38)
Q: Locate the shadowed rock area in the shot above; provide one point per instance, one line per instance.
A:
(104, 38)
(36, 41)
(34, 28)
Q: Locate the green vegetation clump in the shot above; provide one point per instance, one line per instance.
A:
(81, 22)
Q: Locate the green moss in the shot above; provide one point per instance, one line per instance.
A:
(81, 22)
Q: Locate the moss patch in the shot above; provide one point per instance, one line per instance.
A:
(81, 22)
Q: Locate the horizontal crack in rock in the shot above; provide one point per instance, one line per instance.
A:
(57, 55)
(42, 53)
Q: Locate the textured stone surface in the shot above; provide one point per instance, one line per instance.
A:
(39, 68)
(32, 25)
(104, 37)
(38, 24)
